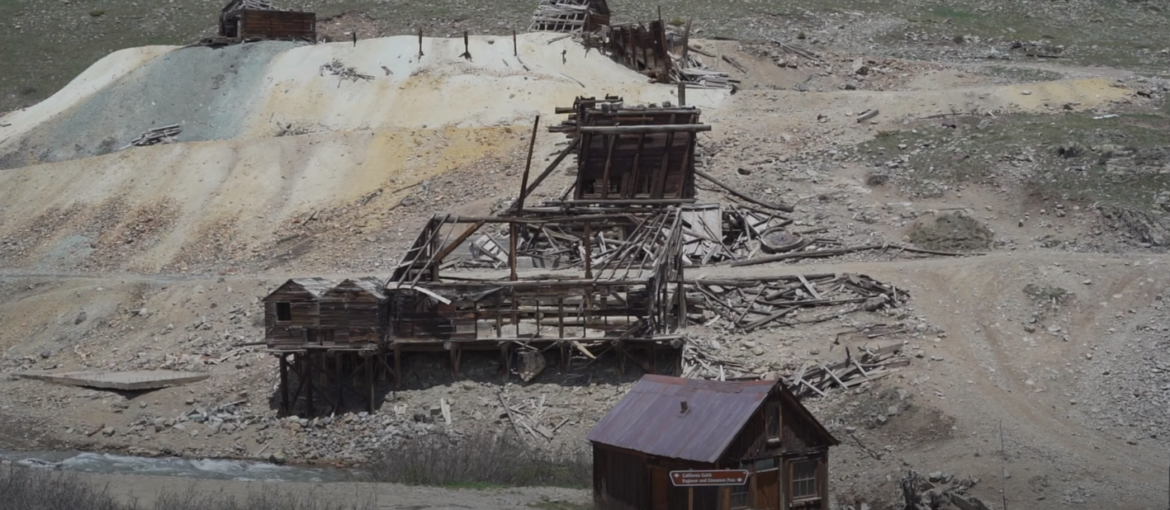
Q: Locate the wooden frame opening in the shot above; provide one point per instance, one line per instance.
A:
(803, 480)
(283, 312)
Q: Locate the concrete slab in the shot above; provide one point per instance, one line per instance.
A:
(130, 381)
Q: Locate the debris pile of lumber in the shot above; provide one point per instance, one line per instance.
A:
(709, 235)
(165, 134)
(867, 366)
(821, 248)
(529, 415)
(701, 359)
(939, 490)
(342, 72)
(747, 304)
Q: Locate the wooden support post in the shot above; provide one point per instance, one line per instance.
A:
(506, 360)
(284, 404)
(515, 49)
(308, 362)
(560, 316)
(621, 355)
(368, 359)
(420, 52)
(453, 351)
(338, 378)
(588, 251)
(527, 165)
(653, 360)
(682, 87)
(608, 163)
(466, 48)
(512, 234)
(397, 365)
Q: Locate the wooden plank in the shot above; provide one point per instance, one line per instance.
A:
(127, 381)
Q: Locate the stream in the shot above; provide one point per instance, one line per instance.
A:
(213, 469)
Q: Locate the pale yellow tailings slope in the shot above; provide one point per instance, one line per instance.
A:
(140, 208)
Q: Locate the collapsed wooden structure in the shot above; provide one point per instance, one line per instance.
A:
(569, 16)
(252, 20)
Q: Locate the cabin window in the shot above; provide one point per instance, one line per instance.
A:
(772, 421)
(804, 479)
(764, 465)
(739, 495)
(283, 312)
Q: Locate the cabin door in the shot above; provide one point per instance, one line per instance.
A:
(659, 485)
(767, 490)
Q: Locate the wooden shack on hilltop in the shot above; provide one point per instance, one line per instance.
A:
(669, 424)
(243, 20)
(292, 313)
(570, 16)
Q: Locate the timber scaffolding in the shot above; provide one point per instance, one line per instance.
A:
(584, 276)
(598, 271)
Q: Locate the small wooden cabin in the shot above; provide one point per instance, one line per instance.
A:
(354, 313)
(292, 313)
(258, 19)
(666, 424)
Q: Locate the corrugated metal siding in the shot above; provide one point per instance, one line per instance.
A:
(648, 419)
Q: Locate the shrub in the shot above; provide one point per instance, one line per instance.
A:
(39, 489)
(480, 459)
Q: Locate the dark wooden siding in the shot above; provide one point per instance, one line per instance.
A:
(620, 480)
(277, 25)
(305, 315)
(353, 314)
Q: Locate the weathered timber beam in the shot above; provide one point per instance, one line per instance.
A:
(659, 128)
(733, 191)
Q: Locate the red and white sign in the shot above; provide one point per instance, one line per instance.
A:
(708, 477)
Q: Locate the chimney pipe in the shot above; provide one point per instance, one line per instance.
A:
(684, 406)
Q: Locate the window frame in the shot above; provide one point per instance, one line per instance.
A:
(744, 490)
(815, 479)
(285, 307)
(773, 422)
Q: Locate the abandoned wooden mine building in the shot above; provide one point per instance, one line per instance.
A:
(596, 273)
(667, 424)
(249, 20)
(326, 336)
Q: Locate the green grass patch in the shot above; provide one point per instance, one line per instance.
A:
(480, 461)
(547, 504)
(1070, 157)
(1013, 74)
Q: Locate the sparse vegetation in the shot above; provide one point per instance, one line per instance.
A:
(1071, 157)
(480, 460)
(952, 232)
(37, 489)
(1047, 294)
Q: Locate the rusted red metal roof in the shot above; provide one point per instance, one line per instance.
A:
(650, 418)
